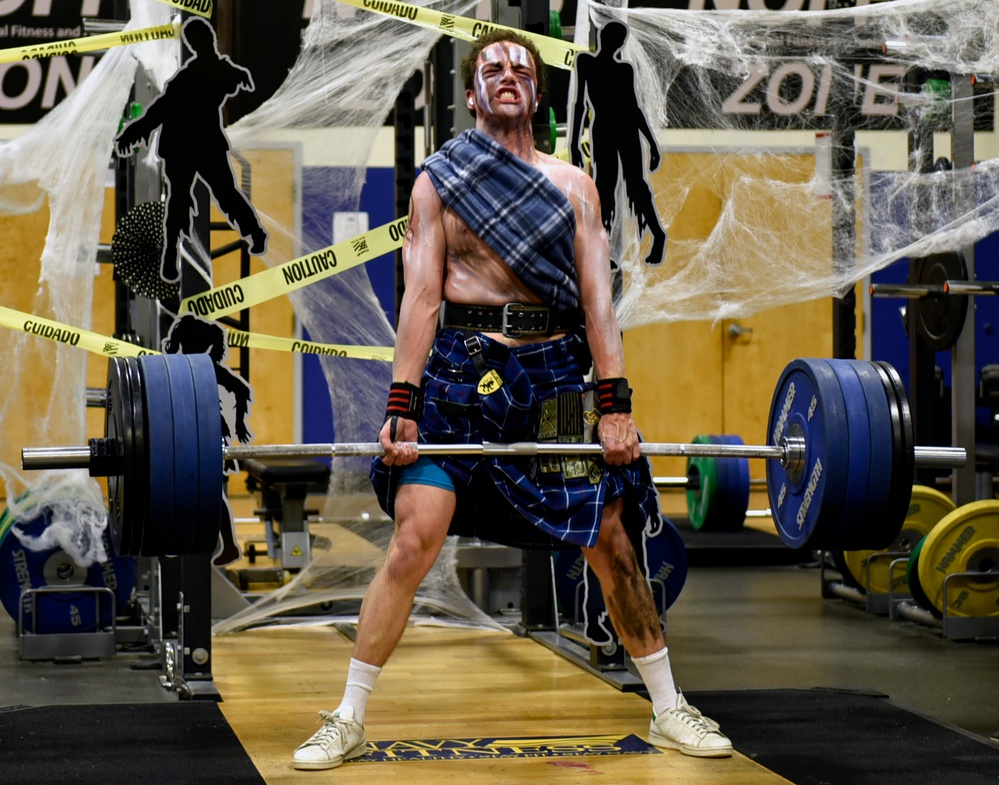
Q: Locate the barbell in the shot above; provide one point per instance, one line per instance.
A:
(840, 455)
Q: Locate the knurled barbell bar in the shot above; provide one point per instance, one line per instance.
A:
(840, 458)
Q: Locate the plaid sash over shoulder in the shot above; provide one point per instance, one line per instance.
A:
(515, 209)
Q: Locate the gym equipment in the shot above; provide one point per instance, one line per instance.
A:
(869, 570)
(62, 609)
(718, 488)
(819, 483)
(958, 564)
(939, 317)
(912, 579)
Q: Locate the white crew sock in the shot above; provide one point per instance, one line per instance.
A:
(658, 677)
(361, 679)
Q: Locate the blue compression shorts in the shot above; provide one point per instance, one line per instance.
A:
(425, 472)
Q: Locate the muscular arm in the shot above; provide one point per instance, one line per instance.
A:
(423, 253)
(617, 432)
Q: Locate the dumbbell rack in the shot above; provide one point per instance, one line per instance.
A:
(878, 603)
(960, 628)
(901, 605)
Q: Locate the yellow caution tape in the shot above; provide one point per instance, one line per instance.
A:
(239, 339)
(73, 336)
(115, 347)
(284, 278)
(91, 43)
(555, 51)
(199, 7)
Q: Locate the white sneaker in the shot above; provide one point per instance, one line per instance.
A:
(341, 738)
(684, 728)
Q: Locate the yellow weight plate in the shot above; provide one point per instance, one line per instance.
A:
(926, 508)
(966, 540)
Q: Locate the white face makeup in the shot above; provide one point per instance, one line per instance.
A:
(505, 71)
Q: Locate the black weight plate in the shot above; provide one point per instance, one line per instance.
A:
(898, 501)
(140, 471)
(118, 426)
(186, 465)
(210, 452)
(940, 317)
(160, 458)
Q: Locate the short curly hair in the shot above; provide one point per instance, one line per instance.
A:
(468, 61)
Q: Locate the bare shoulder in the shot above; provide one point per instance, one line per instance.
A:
(570, 179)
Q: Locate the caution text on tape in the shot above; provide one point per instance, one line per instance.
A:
(91, 43)
(554, 51)
(284, 278)
(115, 347)
(199, 7)
(239, 339)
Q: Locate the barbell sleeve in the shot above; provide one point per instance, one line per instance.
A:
(971, 287)
(911, 291)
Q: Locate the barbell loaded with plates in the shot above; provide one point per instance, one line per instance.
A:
(939, 316)
(717, 489)
(840, 454)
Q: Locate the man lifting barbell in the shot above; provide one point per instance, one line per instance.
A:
(550, 259)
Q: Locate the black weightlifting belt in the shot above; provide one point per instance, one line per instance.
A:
(514, 320)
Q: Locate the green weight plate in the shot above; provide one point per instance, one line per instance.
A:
(927, 507)
(912, 577)
(966, 540)
(702, 472)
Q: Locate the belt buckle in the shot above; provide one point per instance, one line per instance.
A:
(515, 310)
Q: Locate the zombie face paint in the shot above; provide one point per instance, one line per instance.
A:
(505, 75)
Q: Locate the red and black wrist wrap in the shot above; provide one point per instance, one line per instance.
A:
(614, 395)
(404, 400)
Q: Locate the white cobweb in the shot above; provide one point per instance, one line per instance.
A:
(749, 210)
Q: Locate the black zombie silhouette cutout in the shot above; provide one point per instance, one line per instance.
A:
(193, 145)
(605, 85)
(190, 334)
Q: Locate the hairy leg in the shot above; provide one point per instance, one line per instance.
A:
(423, 514)
(625, 589)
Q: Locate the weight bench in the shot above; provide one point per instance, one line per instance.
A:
(282, 486)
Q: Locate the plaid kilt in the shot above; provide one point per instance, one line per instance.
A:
(568, 508)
